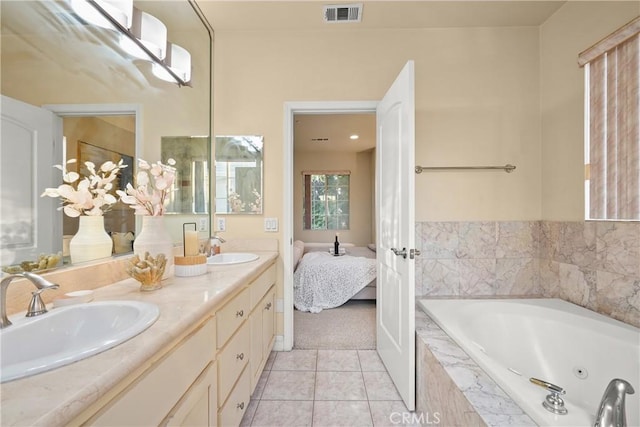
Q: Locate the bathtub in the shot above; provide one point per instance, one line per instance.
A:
(513, 340)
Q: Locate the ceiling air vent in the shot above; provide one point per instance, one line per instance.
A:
(343, 13)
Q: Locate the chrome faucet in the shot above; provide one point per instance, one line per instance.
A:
(36, 306)
(611, 412)
(216, 236)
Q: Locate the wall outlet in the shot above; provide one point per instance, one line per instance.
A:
(271, 224)
(202, 224)
(221, 224)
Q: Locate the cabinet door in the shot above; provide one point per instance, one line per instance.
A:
(255, 323)
(152, 396)
(198, 407)
(262, 323)
(268, 323)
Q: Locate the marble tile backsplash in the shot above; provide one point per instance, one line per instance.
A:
(593, 264)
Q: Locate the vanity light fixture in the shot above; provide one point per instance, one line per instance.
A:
(143, 36)
(148, 30)
(178, 59)
(119, 10)
(354, 137)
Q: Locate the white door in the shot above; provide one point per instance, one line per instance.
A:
(29, 224)
(395, 316)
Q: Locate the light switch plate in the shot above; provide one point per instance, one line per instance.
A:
(271, 224)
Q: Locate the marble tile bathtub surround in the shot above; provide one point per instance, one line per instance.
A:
(477, 258)
(595, 264)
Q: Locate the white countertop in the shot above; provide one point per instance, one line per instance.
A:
(58, 396)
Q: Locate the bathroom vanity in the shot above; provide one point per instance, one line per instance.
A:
(196, 365)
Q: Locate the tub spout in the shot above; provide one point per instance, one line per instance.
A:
(611, 412)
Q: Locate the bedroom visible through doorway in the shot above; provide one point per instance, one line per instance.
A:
(333, 197)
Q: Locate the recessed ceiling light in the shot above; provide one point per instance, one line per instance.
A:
(354, 137)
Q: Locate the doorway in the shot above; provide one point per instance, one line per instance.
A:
(293, 109)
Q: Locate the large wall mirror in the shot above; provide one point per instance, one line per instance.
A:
(239, 171)
(105, 104)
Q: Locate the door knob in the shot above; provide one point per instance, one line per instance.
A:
(398, 252)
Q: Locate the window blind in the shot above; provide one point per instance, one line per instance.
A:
(612, 112)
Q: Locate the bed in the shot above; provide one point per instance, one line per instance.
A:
(322, 280)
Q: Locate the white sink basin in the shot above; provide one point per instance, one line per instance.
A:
(68, 334)
(229, 258)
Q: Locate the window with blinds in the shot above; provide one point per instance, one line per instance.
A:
(612, 116)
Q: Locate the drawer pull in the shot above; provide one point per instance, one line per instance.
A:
(240, 356)
(240, 405)
(239, 313)
(268, 306)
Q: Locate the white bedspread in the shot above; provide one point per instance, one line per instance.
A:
(326, 281)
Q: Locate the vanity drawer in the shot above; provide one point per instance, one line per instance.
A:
(232, 360)
(261, 285)
(231, 316)
(232, 412)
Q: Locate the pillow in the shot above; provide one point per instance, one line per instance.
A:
(298, 250)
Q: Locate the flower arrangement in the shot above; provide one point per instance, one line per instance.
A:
(256, 206)
(153, 182)
(90, 195)
(235, 202)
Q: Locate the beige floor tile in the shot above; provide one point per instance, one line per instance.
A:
(338, 360)
(380, 386)
(340, 386)
(370, 361)
(281, 413)
(341, 413)
(289, 385)
(295, 360)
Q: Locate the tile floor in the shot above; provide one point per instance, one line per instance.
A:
(325, 388)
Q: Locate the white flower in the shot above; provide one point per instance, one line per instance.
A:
(153, 184)
(90, 196)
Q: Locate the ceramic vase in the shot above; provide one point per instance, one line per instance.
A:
(155, 239)
(91, 241)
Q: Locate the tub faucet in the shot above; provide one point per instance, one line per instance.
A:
(611, 412)
(36, 306)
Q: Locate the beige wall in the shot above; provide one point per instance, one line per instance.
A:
(476, 103)
(573, 28)
(361, 194)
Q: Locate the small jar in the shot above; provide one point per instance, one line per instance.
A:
(214, 245)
